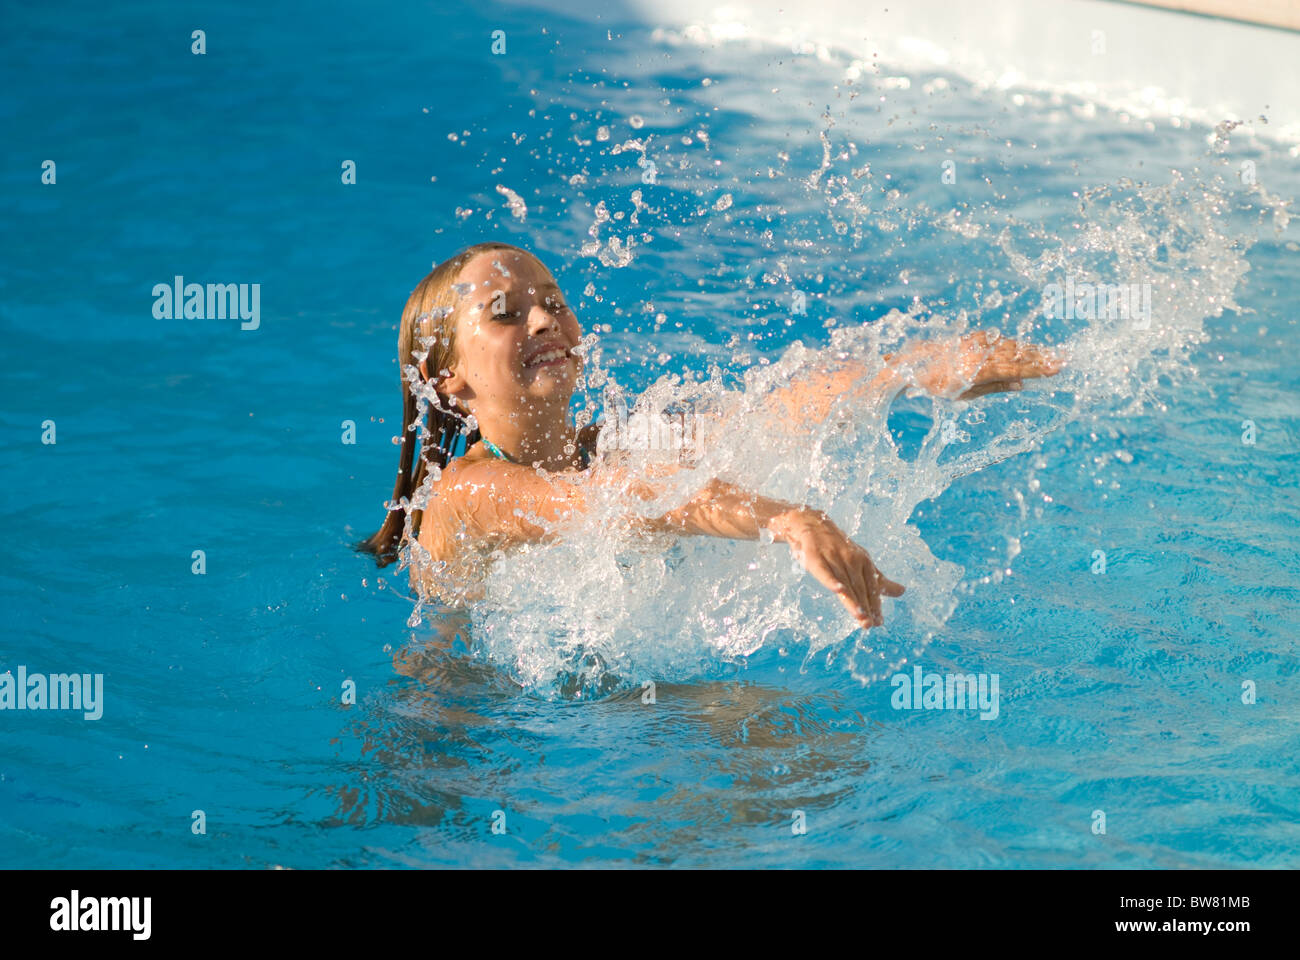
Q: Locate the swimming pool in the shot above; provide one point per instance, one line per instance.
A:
(1120, 692)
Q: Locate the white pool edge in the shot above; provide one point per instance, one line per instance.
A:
(1148, 62)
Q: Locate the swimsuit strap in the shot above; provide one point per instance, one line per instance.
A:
(495, 450)
(502, 455)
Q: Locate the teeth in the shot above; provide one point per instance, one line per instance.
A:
(547, 357)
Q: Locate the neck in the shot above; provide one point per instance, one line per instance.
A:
(536, 437)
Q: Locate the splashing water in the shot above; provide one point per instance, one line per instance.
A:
(515, 203)
(603, 609)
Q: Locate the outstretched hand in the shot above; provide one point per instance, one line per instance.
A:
(975, 364)
(845, 568)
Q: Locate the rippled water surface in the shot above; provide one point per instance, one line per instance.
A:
(683, 194)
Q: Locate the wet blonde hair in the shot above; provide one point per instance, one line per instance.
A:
(428, 322)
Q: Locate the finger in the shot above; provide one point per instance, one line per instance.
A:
(993, 386)
(873, 590)
(849, 589)
(1010, 358)
(1035, 358)
(889, 587)
(983, 347)
(849, 592)
(833, 582)
(864, 582)
(994, 359)
(829, 578)
(1051, 361)
(862, 618)
(1039, 362)
(861, 579)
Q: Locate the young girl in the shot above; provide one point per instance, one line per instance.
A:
(487, 342)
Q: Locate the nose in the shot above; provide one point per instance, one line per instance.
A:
(541, 320)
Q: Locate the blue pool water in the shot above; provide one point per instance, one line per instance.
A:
(1121, 692)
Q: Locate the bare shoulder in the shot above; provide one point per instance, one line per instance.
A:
(505, 503)
(457, 486)
(450, 513)
(477, 487)
(465, 474)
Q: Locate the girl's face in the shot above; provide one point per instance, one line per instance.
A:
(514, 335)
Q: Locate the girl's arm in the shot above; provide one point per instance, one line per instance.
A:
(972, 365)
(957, 368)
(503, 502)
(822, 548)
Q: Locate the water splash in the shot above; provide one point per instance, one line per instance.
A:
(606, 607)
(518, 209)
(603, 608)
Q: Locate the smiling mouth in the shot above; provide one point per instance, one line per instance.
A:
(548, 358)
